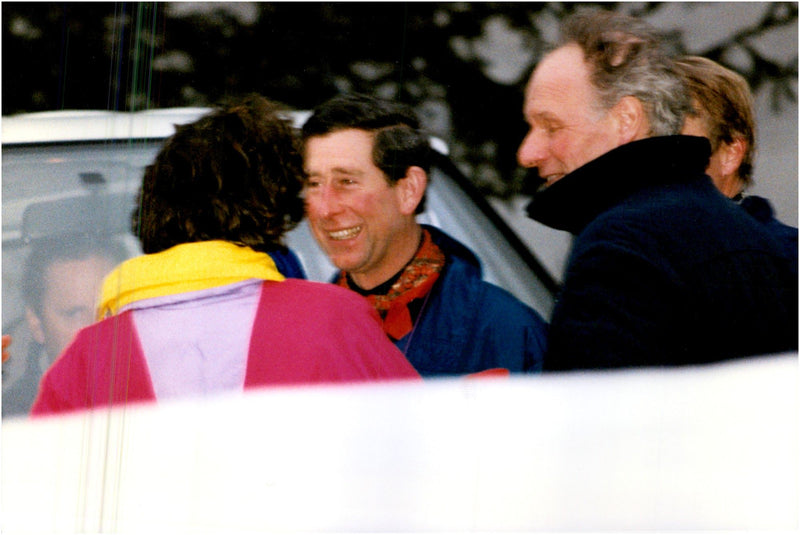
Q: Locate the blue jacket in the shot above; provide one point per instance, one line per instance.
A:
(469, 325)
(664, 269)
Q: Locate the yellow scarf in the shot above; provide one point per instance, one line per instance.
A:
(184, 268)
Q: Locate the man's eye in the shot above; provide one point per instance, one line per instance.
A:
(75, 313)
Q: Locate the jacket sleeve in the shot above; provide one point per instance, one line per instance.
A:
(512, 335)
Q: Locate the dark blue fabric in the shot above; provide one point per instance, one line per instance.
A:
(468, 325)
(288, 263)
(760, 208)
(664, 270)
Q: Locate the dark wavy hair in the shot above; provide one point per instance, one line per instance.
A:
(235, 174)
(399, 141)
(59, 249)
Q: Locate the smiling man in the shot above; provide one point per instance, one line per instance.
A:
(664, 270)
(367, 164)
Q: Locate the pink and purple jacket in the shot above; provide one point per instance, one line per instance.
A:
(250, 334)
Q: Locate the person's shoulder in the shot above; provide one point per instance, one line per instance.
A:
(500, 301)
(318, 293)
(103, 333)
(82, 349)
(464, 272)
(302, 286)
(657, 211)
(451, 247)
(761, 209)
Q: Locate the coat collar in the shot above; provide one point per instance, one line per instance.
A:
(453, 248)
(579, 197)
(183, 268)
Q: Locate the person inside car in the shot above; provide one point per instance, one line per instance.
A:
(62, 279)
(663, 270)
(367, 165)
(205, 309)
(723, 112)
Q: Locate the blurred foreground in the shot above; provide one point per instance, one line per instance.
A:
(713, 447)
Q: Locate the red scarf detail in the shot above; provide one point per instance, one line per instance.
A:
(415, 282)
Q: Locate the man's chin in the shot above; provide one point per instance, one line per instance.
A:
(344, 263)
(533, 181)
(549, 181)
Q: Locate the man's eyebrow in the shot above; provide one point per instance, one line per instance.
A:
(544, 115)
(347, 171)
(338, 170)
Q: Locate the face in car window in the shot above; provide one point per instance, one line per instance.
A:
(68, 301)
(62, 279)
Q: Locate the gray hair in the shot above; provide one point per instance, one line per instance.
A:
(626, 59)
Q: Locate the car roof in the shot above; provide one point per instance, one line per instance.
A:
(94, 125)
(67, 126)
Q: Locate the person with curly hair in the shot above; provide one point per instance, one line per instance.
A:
(205, 309)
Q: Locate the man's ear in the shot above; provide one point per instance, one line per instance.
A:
(35, 325)
(631, 119)
(732, 155)
(411, 189)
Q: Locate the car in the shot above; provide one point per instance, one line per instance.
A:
(71, 174)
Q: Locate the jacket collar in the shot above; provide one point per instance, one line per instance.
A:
(183, 268)
(453, 249)
(579, 197)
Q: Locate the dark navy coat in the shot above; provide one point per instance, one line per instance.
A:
(664, 269)
(760, 208)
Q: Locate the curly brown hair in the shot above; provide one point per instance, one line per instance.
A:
(235, 174)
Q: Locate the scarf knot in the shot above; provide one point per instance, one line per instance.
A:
(414, 282)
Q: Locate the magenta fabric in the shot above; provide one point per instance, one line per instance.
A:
(304, 333)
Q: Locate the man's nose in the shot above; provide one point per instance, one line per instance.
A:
(532, 150)
(325, 201)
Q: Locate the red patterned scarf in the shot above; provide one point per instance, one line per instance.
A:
(414, 282)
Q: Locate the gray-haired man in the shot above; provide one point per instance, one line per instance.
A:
(663, 268)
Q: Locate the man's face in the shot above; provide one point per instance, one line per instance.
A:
(356, 217)
(697, 125)
(68, 302)
(567, 129)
